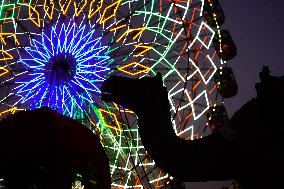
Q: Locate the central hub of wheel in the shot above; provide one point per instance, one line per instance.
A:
(60, 69)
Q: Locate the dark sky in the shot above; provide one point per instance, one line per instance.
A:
(257, 27)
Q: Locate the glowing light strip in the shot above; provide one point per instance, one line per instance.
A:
(113, 116)
(159, 16)
(7, 6)
(140, 31)
(77, 13)
(146, 48)
(8, 34)
(163, 55)
(207, 46)
(192, 105)
(3, 72)
(36, 20)
(49, 14)
(126, 186)
(155, 180)
(202, 7)
(11, 111)
(64, 10)
(185, 130)
(10, 57)
(118, 27)
(116, 4)
(91, 11)
(198, 70)
(146, 69)
(123, 110)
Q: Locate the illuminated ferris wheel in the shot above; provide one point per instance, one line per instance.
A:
(57, 53)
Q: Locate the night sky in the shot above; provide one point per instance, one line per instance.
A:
(257, 27)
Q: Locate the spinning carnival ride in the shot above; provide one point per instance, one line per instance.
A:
(57, 53)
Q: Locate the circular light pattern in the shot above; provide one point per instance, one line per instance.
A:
(64, 68)
(57, 53)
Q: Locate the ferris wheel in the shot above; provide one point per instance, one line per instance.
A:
(57, 53)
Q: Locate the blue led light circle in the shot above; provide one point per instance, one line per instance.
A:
(65, 67)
